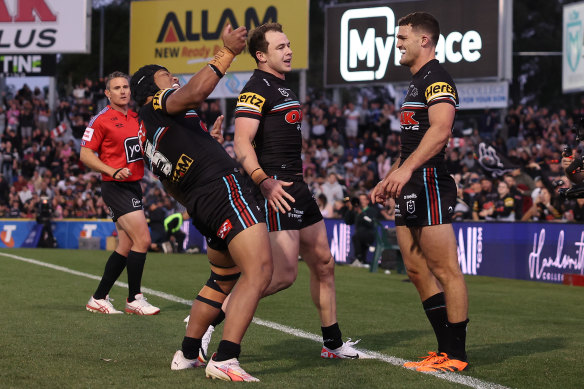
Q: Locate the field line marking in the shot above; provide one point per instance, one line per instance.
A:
(451, 377)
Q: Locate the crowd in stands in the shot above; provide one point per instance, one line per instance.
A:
(346, 150)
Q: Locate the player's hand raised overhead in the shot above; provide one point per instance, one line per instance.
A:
(234, 40)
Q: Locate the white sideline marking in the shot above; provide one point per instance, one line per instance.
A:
(451, 377)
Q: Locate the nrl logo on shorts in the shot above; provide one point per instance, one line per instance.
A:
(136, 203)
(411, 206)
(224, 229)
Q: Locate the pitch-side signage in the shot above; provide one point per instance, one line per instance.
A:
(45, 26)
(184, 35)
(361, 40)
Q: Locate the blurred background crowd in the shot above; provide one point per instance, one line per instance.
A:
(346, 150)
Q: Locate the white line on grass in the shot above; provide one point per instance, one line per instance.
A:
(452, 377)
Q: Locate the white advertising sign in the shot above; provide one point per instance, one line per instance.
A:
(474, 95)
(45, 26)
(573, 48)
(229, 86)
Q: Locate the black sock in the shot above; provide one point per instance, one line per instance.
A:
(227, 350)
(435, 308)
(135, 268)
(332, 337)
(190, 347)
(457, 348)
(114, 266)
(219, 319)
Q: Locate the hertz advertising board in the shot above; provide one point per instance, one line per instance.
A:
(361, 37)
(184, 35)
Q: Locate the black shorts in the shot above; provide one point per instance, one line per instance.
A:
(121, 197)
(304, 211)
(223, 208)
(427, 199)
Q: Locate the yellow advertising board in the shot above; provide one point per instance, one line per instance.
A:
(184, 35)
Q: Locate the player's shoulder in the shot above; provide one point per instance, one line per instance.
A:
(437, 83)
(435, 72)
(258, 83)
(255, 93)
(159, 100)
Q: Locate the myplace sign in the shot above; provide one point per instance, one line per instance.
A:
(361, 38)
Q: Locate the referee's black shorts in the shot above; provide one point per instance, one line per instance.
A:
(121, 197)
(427, 199)
(304, 210)
(223, 208)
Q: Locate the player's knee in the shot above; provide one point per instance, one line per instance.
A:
(142, 242)
(323, 267)
(444, 270)
(263, 273)
(281, 280)
(217, 288)
(416, 276)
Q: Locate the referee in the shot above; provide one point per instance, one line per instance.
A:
(110, 146)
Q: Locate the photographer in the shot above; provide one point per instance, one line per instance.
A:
(572, 195)
(365, 217)
(542, 208)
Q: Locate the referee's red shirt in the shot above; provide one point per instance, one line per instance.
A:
(114, 137)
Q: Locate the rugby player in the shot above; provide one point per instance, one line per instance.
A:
(196, 171)
(268, 145)
(425, 193)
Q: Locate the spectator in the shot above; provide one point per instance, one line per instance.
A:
(503, 208)
(332, 189)
(484, 200)
(542, 208)
(352, 116)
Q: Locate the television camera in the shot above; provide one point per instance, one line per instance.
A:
(44, 217)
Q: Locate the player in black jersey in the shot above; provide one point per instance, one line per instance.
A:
(268, 144)
(425, 193)
(198, 172)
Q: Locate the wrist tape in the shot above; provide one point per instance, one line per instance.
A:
(222, 59)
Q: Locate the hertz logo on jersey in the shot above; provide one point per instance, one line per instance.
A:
(251, 101)
(157, 100)
(440, 89)
(182, 166)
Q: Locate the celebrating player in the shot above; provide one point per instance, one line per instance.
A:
(426, 194)
(196, 170)
(268, 144)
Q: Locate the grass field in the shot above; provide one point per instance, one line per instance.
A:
(521, 334)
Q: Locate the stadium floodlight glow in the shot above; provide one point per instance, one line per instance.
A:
(353, 49)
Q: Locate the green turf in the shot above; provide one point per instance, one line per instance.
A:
(522, 334)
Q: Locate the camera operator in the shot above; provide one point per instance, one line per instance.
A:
(573, 165)
(365, 217)
(44, 217)
(571, 187)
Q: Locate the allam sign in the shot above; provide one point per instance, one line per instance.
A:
(361, 40)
